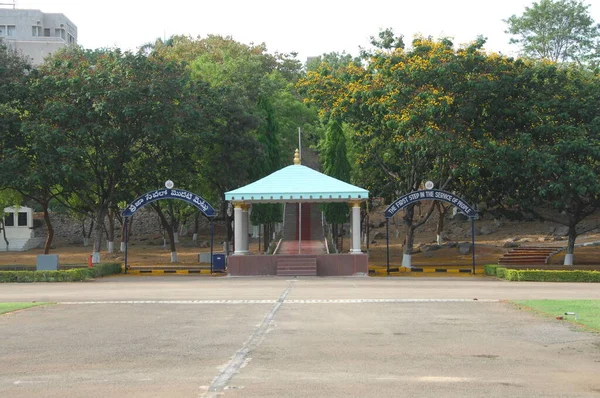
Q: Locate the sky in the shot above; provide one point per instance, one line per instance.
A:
(309, 27)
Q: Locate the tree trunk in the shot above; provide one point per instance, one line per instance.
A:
(4, 232)
(167, 227)
(409, 214)
(571, 245)
(86, 239)
(442, 211)
(49, 227)
(110, 232)
(196, 227)
(100, 215)
(122, 248)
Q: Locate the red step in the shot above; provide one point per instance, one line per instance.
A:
(300, 266)
(527, 256)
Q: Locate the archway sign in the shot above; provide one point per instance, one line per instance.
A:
(430, 194)
(170, 193)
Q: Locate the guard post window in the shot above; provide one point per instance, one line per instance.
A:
(9, 219)
(22, 219)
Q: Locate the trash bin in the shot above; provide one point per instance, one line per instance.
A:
(219, 261)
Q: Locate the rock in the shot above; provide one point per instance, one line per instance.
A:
(380, 224)
(561, 231)
(204, 244)
(451, 245)
(510, 244)
(551, 230)
(459, 217)
(465, 247)
(430, 248)
(416, 250)
(379, 235)
(498, 223)
(485, 230)
(373, 241)
(559, 238)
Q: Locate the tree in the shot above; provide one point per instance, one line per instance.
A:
(111, 107)
(556, 30)
(334, 158)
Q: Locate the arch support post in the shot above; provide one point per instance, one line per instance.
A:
(355, 227)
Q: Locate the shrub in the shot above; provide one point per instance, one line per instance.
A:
(490, 269)
(71, 275)
(500, 272)
(558, 276)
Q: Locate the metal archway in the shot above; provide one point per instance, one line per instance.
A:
(179, 194)
(430, 194)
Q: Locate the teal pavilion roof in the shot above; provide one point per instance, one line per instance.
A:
(297, 183)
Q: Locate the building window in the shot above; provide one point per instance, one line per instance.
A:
(36, 31)
(71, 39)
(11, 30)
(22, 219)
(59, 32)
(2, 30)
(9, 220)
(46, 32)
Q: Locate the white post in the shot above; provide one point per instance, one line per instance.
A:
(245, 222)
(237, 229)
(355, 228)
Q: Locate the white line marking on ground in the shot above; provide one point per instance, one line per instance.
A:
(241, 356)
(310, 301)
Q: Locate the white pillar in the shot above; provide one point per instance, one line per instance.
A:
(238, 229)
(355, 227)
(245, 222)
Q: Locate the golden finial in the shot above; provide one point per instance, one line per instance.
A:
(297, 157)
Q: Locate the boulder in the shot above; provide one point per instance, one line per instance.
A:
(379, 235)
(204, 244)
(451, 245)
(509, 245)
(465, 247)
(561, 231)
(486, 230)
(459, 217)
(430, 248)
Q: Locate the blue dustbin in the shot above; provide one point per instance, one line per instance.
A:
(219, 261)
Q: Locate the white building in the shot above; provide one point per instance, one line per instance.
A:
(18, 223)
(36, 34)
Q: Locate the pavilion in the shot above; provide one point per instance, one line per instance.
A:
(303, 249)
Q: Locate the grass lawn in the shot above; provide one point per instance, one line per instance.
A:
(9, 307)
(588, 311)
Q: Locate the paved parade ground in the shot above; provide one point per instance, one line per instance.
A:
(188, 336)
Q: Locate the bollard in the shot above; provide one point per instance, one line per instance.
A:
(90, 261)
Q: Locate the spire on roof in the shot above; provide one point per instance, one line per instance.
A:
(297, 157)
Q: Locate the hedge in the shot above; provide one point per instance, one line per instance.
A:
(533, 275)
(71, 275)
(490, 269)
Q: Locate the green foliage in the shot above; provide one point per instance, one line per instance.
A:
(501, 272)
(334, 158)
(557, 30)
(542, 275)
(71, 275)
(490, 269)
